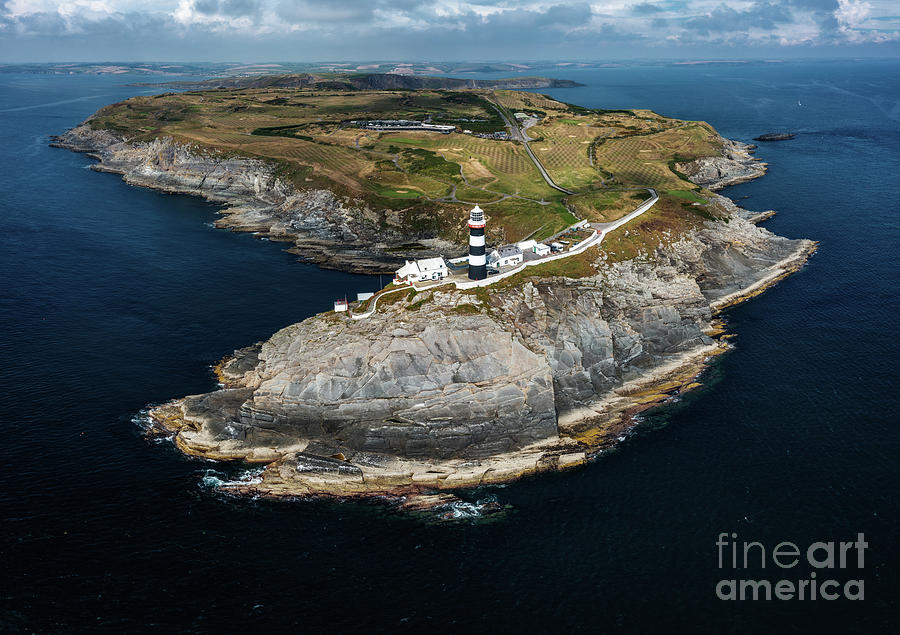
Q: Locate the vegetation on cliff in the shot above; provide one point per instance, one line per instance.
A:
(421, 183)
(442, 388)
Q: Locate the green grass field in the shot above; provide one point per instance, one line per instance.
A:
(643, 160)
(308, 134)
(604, 206)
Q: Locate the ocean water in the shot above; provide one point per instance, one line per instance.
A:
(113, 297)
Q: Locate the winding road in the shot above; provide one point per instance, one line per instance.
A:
(518, 134)
(600, 232)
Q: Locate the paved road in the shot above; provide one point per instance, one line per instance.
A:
(600, 232)
(640, 209)
(518, 135)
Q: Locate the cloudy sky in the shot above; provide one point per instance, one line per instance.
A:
(320, 30)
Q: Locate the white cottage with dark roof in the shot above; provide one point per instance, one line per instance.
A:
(420, 270)
(505, 256)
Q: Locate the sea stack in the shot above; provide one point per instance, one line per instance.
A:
(477, 261)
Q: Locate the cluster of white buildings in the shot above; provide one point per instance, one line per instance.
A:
(421, 270)
(500, 136)
(512, 255)
(503, 257)
(403, 124)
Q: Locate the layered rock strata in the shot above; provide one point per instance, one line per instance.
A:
(448, 389)
(736, 164)
(338, 233)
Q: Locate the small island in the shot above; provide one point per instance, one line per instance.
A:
(775, 136)
(614, 258)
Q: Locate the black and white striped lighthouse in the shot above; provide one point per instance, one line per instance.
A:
(477, 261)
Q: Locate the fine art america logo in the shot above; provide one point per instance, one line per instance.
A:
(835, 570)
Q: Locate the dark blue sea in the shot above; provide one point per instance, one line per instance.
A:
(113, 297)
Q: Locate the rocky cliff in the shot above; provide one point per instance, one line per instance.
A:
(735, 165)
(447, 388)
(339, 233)
(443, 388)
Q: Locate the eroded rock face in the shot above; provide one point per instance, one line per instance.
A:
(449, 374)
(409, 387)
(334, 232)
(598, 332)
(449, 388)
(402, 385)
(736, 165)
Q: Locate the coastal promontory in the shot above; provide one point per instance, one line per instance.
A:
(432, 386)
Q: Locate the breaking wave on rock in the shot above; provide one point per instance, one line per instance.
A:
(215, 479)
(150, 430)
(464, 510)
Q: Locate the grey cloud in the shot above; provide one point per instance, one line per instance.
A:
(646, 8)
(5, 19)
(814, 5)
(360, 12)
(42, 23)
(558, 15)
(567, 14)
(230, 8)
(822, 11)
(762, 15)
(206, 7)
(335, 11)
(353, 29)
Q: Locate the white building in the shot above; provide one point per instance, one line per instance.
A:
(340, 305)
(403, 124)
(526, 245)
(419, 270)
(541, 249)
(505, 256)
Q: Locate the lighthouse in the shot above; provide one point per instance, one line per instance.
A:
(477, 262)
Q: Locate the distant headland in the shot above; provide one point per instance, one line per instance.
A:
(366, 81)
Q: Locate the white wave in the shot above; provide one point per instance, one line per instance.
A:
(212, 479)
(459, 510)
(215, 479)
(142, 419)
(155, 433)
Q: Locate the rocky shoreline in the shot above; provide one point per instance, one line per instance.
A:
(736, 165)
(445, 390)
(337, 408)
(333, 232)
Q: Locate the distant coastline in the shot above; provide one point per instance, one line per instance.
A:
(366, 81)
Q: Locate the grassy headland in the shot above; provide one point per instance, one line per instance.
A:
(426, 180)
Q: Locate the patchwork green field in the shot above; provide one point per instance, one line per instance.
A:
(563, 145)
(646, 159)
(604, 206)
(318, 138)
